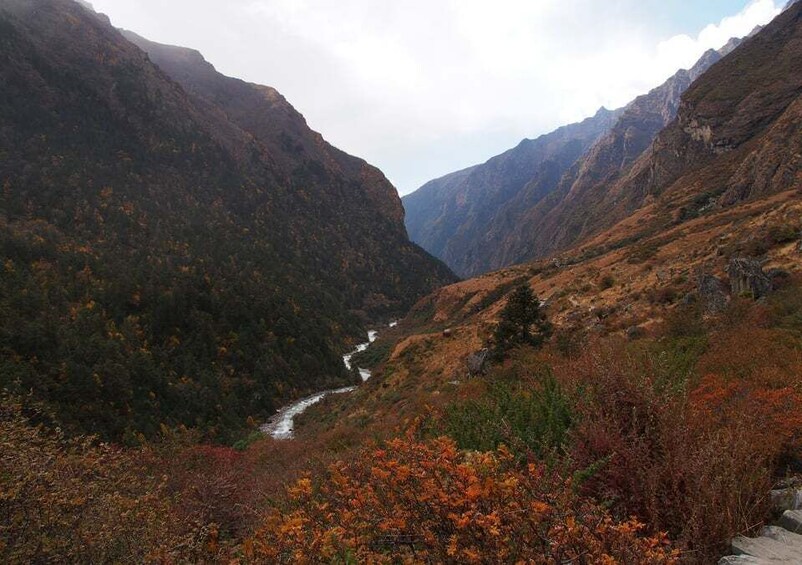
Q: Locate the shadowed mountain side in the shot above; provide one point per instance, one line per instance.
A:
(456, 217)
(180, 261)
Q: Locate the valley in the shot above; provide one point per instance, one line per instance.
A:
(596, 352)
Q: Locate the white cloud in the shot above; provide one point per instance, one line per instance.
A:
(423, 87)
(682, 51)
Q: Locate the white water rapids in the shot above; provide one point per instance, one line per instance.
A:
(280, 426)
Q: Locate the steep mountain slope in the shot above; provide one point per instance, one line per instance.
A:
(653, 291)
(736, 136)
(387, 271)
(504, 236)
(168, 260)
(455, 217)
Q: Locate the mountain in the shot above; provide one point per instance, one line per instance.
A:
(441, 216)
(340, 186)
(179, 247)
(457, 217)
(736, 137)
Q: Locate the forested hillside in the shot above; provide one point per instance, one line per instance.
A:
(163, 265)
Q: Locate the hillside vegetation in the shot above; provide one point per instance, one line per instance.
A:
(163, 265)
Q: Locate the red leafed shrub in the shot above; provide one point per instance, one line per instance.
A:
(696, 462)
(207, 479)
(429, 502)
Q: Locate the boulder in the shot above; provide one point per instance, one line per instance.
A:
(778, 277)
(786, 499)
(477, 362)
(741, 560)
(780, 550)
(712, 293)
(635, 332)
(747, 278)
(791, 520)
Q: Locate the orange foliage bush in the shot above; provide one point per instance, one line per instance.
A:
(428, 502)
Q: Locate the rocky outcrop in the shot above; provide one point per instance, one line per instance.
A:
(477, 362)
(712, 293)
(776, 544)
(747, 278)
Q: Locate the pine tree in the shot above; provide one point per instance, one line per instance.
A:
(523, 322)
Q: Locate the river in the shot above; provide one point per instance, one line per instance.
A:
(280, 426)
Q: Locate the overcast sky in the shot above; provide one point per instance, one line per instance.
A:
(421, 88)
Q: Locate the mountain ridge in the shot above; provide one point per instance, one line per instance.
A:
(490, 190)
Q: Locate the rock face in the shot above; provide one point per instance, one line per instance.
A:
(712, 293)
(476, 362)
(775, 545)
(747, 278)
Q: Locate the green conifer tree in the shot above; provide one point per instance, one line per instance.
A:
(523, 322)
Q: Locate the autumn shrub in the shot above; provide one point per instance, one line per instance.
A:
(664, 295)
(685, 320)
(428, 502)
(607, 282)
(218, 494)
(695, 461)
(75, 501)
(785, 308)
(207, 483)
(526, 416)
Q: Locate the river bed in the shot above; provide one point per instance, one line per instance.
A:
(280, 426)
